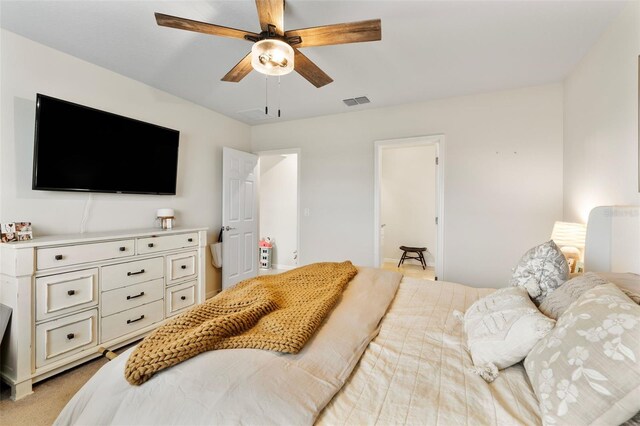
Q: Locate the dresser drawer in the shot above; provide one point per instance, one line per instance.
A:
(132, 320)
(124, 274)
(181, 267)
(62, 294)
(167, 242)
(55, 257)
(124, 298)
(62, 337)
(180, 297)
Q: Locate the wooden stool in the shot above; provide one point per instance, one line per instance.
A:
(417, 250)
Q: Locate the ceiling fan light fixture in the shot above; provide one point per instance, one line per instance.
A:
(272, 57)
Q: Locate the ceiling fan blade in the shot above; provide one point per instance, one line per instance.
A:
(309, 70)
(201, 27)
(240, 71)
(271, 12)
(351, 32)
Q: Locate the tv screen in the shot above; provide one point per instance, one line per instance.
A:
(78, 148)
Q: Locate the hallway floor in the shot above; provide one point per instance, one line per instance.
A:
(411, 270)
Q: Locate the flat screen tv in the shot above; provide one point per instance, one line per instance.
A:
(78, 148)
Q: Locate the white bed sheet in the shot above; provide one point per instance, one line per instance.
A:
(416, 371)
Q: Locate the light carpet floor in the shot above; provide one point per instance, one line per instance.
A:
(50, 396)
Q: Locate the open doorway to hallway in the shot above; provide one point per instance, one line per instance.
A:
(279, 208)
(408, 204)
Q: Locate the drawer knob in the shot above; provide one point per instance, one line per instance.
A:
(183, 297)
(141, 271)
(190, 240)
(58, 257)
(136, 296)
(184, 266)
(150, 245)
(71, 292)
(70, 336)
(135, 320)
(123, 249)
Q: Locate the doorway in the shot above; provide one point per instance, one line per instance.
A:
(279, 207)
(409, 205)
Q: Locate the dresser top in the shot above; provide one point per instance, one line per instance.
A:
(89, 237)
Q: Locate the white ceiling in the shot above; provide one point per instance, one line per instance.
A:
(429, 49)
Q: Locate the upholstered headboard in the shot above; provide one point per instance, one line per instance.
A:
(613, 239)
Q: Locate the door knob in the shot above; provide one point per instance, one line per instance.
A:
(228, 228)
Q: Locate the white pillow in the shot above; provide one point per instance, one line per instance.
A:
(541, 270)
(587, 370)
(502, 328)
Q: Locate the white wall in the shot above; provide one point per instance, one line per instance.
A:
(279, 206)
(29, 68)
(503, 177)
(408, 200)
(601, 122)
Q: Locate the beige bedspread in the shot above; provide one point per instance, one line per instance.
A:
(244, 386)
(415, 371)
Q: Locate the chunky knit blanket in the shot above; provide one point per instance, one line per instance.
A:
(273, 312)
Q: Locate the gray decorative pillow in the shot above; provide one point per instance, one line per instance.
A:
(541, 270)
(586, 370)
(624, 280)
(559, 300)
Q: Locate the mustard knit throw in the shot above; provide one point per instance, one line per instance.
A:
(273, 312)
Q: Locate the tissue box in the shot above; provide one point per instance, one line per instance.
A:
(15, 231)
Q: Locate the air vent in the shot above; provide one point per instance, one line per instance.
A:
(356, 101)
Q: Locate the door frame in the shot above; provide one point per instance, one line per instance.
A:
(438, 141)
(285, 151)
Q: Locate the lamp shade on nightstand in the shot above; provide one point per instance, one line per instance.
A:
(567, 234)
(570, 238)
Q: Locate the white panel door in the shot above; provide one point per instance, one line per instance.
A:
(239, 216)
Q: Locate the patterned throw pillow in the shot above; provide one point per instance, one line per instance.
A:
(587, 370)
(541, 270)
(559, 300)
(502, 328)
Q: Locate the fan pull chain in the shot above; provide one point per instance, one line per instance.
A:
(278, 96)
(266, 94)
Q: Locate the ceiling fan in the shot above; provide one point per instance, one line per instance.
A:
(275, 51)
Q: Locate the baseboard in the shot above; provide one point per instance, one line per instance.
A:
(283, 267)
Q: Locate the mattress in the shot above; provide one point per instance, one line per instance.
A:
(417, 371)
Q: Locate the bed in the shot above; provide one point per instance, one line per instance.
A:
(392, 351)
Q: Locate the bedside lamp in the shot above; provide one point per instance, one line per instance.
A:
(569, 237)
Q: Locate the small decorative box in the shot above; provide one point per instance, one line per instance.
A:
(15, 231)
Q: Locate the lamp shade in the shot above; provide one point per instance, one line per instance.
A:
(272, 57)
(567, 234)
(165, 213)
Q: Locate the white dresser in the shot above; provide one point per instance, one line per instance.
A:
(72, 294)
